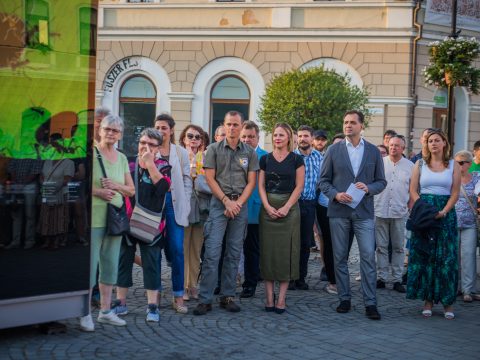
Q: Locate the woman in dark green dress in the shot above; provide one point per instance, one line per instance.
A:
(433, 265)
(280, 184)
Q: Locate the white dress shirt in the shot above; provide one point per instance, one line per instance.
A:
(392, 202)
(355, 153)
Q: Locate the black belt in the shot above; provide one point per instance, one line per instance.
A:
(233, 197)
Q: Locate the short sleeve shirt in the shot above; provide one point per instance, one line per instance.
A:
(231, 165)
(280, 176)
(116, 172)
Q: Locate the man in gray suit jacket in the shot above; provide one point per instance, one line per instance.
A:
(353, 161)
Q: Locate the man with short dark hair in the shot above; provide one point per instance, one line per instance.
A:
(308, 201)
(356, 163)
(320, 141)
(251, 247)
(387, 135)
(476, 157)
(231, 171)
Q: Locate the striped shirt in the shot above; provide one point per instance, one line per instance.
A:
(313, 163)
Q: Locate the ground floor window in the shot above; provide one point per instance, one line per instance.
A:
(137, 109)
(228, 93)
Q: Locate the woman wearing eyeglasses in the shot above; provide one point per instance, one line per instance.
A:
(466, 208)
(192, 139)
(105, 249)
(433, 262)
(152, 182)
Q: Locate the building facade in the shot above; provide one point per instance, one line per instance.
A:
(198, 59)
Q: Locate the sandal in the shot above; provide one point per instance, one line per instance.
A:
(426, 313)
(467, 298)
(181, 309)
(449, 315)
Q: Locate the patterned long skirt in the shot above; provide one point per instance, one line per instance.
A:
(433, 274)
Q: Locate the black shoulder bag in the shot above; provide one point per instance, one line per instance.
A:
(117, 219)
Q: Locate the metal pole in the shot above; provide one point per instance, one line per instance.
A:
(451, 87)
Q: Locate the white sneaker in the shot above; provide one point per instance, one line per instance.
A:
(86, 323)
(110, 318)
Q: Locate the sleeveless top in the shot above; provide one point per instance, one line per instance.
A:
(436, 183)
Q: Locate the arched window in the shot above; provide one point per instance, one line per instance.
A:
(228, 93)
(36, 23)
(137, 109)
(87, 19)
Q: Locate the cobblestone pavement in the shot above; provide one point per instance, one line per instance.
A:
(310, 329)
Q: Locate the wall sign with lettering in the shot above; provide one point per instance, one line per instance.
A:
(129, 63)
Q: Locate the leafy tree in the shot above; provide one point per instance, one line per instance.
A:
(317, 97)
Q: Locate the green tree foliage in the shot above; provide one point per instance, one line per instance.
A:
(317, 97)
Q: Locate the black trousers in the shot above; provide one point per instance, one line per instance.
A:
(307, 219)
(251, 252)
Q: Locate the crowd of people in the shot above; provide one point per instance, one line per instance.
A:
(229, 207)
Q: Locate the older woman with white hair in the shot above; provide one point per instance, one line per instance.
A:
(112, 188)
(466, 208)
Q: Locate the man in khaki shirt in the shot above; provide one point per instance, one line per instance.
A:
(230, 170)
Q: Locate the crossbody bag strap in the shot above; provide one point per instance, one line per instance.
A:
(464, 192)
(100, 160)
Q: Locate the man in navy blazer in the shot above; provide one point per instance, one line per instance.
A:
(353, 161)
(251, 247)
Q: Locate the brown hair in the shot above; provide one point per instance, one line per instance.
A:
(196, 128)
(446, 149)
(289, 131)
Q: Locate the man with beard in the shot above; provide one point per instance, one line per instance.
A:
(313, 161)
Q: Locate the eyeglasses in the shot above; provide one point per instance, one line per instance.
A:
(191, 136)
(114, 131)
(463, 162)
(144, 143)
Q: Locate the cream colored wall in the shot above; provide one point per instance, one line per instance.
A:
(383, 67)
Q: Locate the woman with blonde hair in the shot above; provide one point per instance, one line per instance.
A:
(280, 183)
(433, 262)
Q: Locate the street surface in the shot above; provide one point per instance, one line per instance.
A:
(310, 329)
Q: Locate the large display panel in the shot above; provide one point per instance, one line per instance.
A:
(47, 77)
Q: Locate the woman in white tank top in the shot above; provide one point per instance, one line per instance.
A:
(433, 275)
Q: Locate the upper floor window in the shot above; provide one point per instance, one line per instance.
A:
(88, 30)
(36, 20)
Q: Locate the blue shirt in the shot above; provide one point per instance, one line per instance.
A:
(254, 201)
(313, 163)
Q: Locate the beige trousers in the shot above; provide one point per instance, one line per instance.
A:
(192, 247)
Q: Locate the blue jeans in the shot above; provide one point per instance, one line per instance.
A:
(174, 247)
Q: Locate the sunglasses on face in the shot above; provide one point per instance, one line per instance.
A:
(463, 162)
(144, 143)
(191, 136)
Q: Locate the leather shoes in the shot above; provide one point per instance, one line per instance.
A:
(227, 303)
(247, 292)
(202, 309)
(301, 285)
(380, 284)
(291, 285)
(399, 287)
(344, 306)
(372, 312)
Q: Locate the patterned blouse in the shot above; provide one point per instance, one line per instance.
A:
(465, 215)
